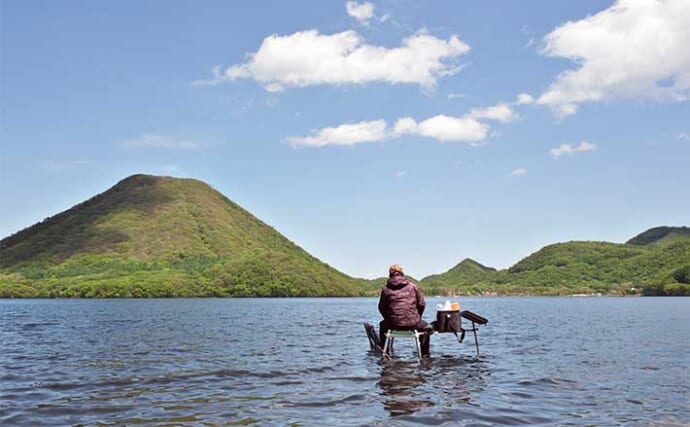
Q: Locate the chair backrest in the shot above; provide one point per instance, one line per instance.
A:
(371, 335)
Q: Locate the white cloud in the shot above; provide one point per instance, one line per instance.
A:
(308, 58)
(468, 128)
(444, 128)
(572, 149)
(636, 49)
(150, 140)
(362, 12)
(273, 87)
(404, 126)
(683, 136)
(500, 112)
(400, 174)
(519, 172)
(347, 134)
(524, 99)
(218, 77)
(564, 110)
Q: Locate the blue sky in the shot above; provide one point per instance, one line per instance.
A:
(369, 133)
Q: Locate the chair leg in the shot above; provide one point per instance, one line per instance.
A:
(388, 343)
(390, 339)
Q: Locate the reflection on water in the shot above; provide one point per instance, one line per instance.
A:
(408, 386)
(273, 362)
(399, 383)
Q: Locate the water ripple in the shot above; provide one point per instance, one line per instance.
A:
(186, 363)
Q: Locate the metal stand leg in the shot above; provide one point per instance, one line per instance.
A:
(419, 346)
(476, 341)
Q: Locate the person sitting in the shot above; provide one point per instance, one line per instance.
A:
(402, 304)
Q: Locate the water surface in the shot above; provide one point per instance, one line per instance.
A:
(303, 362)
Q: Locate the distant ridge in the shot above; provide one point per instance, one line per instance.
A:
(469, 265)
(466, 274)
(655, 262)
(658, 234)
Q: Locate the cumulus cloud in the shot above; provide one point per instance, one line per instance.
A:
(636, 49)
(404, 126)
(469, 128)
(443, 128)
(572, 149)
(346, 134)
(309, 58)
(500, 112)
(524, 99)
(150, 140)
(683, 136)
(519, 172)
(362, 12)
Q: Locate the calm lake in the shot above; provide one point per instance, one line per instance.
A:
(305, 362)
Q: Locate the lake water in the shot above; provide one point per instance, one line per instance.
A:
(305, 362)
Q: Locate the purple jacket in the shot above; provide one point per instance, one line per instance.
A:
(401, 302)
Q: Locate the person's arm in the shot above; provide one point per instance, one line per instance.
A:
(421, 304)
(383, 305)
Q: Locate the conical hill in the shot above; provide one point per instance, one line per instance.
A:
(165, 229)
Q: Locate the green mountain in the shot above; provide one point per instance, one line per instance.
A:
(656, 262)
(152, 236)
(161, 236)
(660, 236)
(465, 275)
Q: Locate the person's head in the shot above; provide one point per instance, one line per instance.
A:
(395, 270)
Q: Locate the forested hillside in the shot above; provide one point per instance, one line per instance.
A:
(151, 236)
(656, 262)
(160, 236)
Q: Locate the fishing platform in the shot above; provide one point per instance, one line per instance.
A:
(447, 321)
